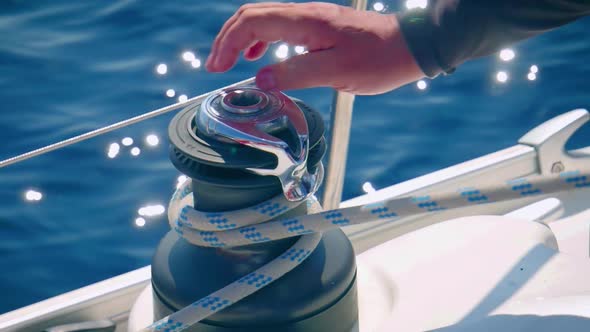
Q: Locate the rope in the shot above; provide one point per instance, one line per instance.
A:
(247, 226)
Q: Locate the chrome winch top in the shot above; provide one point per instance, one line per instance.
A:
(250, 116)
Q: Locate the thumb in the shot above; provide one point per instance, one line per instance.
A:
(302, 71)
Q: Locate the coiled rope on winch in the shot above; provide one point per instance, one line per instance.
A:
(251, 225)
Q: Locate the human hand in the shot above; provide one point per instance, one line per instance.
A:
(354, 51)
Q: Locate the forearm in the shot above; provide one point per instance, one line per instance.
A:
(451, 32)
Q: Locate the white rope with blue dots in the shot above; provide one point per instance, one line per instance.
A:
(247, 226)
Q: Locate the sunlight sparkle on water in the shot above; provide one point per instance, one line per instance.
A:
(531, 76)
(411, 4)
(182, 98)
(188, 56)
(170, 93)
(378, 6)
(282, 51)
(534, 69)
(181, 179)
(127, 141)
(196, 63)
(299, 49)
(421, 84)
(140, 222)
(152, 140)
(33, 196)
(507, 54)
(162, 69)
(368, 187)
(135, 151)
(151, 210)
(502, 76)
(114, 149)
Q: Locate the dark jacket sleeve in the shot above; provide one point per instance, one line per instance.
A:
(450, 32)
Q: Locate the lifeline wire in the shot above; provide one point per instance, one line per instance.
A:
(240, 227)
(117, 125)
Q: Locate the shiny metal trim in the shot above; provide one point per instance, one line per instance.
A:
(254, 128)
(340, 123)
(549, 140)
(359, 4)
(118, 125)
(228, 104)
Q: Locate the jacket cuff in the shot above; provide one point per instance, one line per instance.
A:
(420, 35)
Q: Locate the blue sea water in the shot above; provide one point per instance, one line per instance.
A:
(67, 67)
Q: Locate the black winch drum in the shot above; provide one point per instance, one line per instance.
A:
(318, 295)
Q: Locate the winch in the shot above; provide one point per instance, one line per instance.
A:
(242, 148)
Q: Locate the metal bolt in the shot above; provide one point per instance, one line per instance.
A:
(557, 167)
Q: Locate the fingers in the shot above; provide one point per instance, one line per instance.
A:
(234, 18)
(256, 51)
(295, 25)
(265, 24)
(313, 69)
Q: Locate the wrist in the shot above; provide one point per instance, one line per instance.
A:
(407, 68)
(418, 32)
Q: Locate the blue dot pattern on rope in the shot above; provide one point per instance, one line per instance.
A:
(524, 187)
(296, 254)
(256, 279)
(212, 303)
(294, 226)
(250, 225)
(253, 235)
(424, 202)
(271, 208)
(219, 221)
(383, 213)
(336, 218)
(211, 238)
(578, 181)
(473, 195)
(169, 325)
